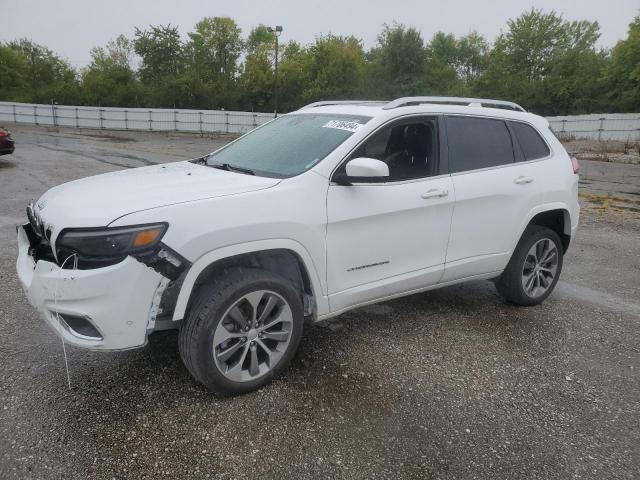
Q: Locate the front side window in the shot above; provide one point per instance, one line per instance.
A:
(409, 148)
(478, 143)
(288, 145)
(532, 145)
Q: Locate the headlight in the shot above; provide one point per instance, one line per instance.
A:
(116, 242)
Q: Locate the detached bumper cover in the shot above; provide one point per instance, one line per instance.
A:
(117, 300)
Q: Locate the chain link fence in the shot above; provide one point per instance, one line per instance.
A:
(608, 126)
(620, 126)
(153, 119)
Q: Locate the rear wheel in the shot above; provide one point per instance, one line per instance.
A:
(534, 268)
(242, 330)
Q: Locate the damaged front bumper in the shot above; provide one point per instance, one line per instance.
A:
(108, 308)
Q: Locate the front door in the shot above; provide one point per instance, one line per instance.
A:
(388, 238)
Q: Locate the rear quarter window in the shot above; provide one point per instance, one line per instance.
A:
(530, 141)
(478, 143)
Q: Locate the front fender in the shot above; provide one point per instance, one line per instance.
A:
(213, 256)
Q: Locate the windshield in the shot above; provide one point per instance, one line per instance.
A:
(288, 145)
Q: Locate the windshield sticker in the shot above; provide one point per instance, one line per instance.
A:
(347, 125)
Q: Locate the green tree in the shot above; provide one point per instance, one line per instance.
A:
(544, 62)
(442, 58)
(294, 76)
(398, 66)
(260, 37)
(217, 46)
(162, 66)
(336, 68)
(548, 64)
(161, 52)
(472, 56)
(110, 79)
(14, 83)
(214, 50)
(258, 75)
(623, 73)
(45, 76)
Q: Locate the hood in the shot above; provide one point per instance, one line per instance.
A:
(99, 200)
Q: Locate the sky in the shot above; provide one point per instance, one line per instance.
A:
(72, 27)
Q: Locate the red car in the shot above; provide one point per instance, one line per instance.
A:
(7, 144)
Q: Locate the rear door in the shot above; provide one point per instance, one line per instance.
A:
(493, 195)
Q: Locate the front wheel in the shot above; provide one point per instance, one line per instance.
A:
(534, 268)
(241, 331)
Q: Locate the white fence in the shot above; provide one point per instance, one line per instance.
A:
(605, 126)
(610, 126)
(203, 121)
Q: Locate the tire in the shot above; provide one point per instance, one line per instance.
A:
(241, 331)
(529, 280)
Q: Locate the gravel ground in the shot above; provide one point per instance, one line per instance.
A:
(453, 383)
(617, 151)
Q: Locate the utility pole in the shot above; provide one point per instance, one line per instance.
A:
(277, 31)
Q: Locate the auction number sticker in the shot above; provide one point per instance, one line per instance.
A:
(347, 125)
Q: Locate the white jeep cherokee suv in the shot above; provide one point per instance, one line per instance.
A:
(331, 207)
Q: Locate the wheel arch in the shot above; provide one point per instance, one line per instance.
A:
(286, 257)
(555, 216)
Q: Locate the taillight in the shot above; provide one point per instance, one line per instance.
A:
(3, 133)
(576, 165)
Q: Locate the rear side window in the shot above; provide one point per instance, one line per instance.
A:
(478, 143)
(531, 143)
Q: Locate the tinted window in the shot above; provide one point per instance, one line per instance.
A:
(530, 141)
(408, 148)
(288, 145)
(477, 143)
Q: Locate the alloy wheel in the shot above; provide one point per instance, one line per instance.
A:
(252, 336)
(540, 267)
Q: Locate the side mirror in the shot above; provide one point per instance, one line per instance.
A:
(363, 170)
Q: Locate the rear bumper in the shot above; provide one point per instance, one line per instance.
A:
(116, 300)
(575, 217)
(574, 230)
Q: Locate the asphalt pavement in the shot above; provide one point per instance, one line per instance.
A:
(453, 383)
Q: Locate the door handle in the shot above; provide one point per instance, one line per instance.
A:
(435, 193)
(522, 180)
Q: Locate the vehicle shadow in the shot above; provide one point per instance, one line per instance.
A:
(474, 308)
(386, 357)
(6, 164)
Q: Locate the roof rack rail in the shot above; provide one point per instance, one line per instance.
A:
(344, 102)
(472, 102)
